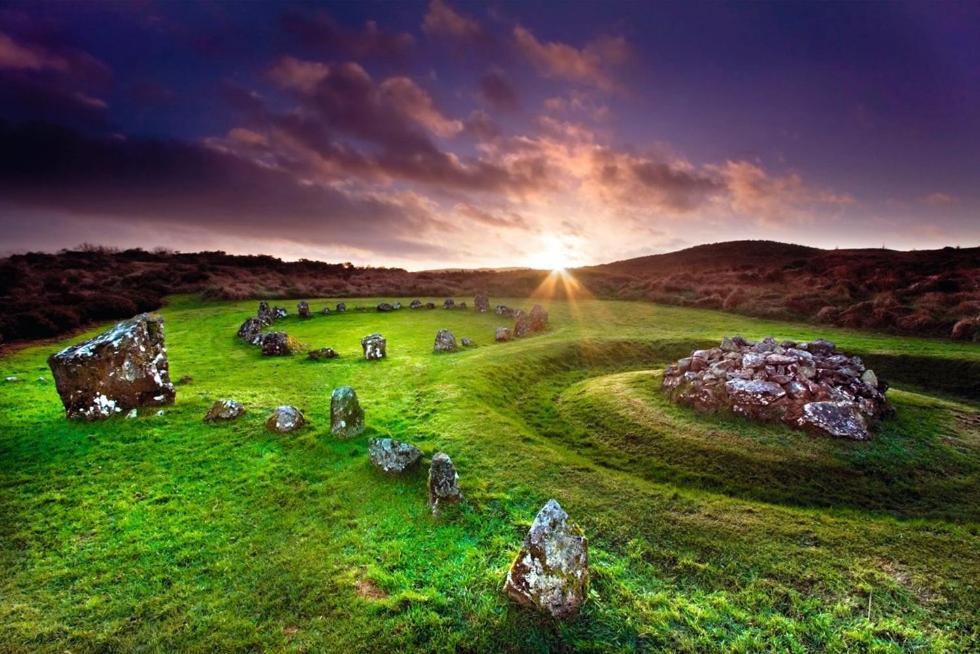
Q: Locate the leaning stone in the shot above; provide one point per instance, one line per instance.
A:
(503, 334)
(375, 347)
(322, 354)
(393, 457)
(445, 341)
(346, 414)
(118, 370)
(551, 572)
(443, 482)
(481, 303)
(224, 410)
(285, 419)
(303, 309)
(838, 419)
(275, 344)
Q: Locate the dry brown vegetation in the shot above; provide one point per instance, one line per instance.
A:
(934, 292)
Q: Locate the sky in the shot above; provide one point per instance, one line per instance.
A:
(460, 134)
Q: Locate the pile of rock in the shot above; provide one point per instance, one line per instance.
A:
(276, 344)
(119, 370)
(810, 386)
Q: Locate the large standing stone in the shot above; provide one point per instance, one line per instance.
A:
(551, 572)
(481, 303)
(443, 482)
(375, 347)
(303, 309)
(251, 330)
(285, 419)
(346, 414)
(528, 323)
(224, 410)
(276, 344)
(445, 341)
(393, 457)
(123, 368)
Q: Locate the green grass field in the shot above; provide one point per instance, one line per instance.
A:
(707, 533)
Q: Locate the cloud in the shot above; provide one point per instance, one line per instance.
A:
(443, 20)
(774, 199)
(938, 199)
(183, 184)
(562, 61)
(497, 91)
(502, 219)
(321, 32)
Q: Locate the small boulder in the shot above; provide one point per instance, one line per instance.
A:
(443, 482)
(430, 305)
(341, 307)
(322, 354)
(303, 309)
(393, 457)
(223, 410)
(842, 419)
(251, 331)
(551, 572)
(467, 342)
(276, 344)
(375, 347)
(449, 303)
(123, 368)
(325, 311)
(285, 419)
(481, 303)
(278, 313)
(445, 342)
(346, 414)
(504, 310)
(384, 307)
(415, 304)
(503, 334)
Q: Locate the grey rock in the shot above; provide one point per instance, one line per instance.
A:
(842, 419)
(322, 354)
(224, 410)
(551, 572)
(443, 482)
(346, 414)
(285, 419)
(502, 334)
(393, 457)
(445, 342)
(375, 347)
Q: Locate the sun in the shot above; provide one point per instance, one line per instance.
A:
(553, 254)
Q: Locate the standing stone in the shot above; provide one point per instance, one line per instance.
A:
(224, 410)
(538, 318)
(346, 414)
(393, 457)
(415, 304)
(481, 303)
(276, 344)
(445, 341)
(443, 482)
(123, 368)
(551, 572)
(341, 307)
(303, 309)
(503, 334)
(449, 303)
(251, 330)
(285, 419)
(265, 313)
(375, 347)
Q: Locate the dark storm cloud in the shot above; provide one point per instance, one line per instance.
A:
(184, 184)
(497, 90)
(321, 32)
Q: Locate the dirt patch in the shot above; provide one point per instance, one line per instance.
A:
(369, 590)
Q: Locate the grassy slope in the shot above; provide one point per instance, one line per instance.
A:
(166, 534)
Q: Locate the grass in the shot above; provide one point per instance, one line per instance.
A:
(706, 533)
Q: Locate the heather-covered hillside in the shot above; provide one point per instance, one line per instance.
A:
(931, 292)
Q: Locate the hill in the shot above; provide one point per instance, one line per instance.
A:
(930, 293)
